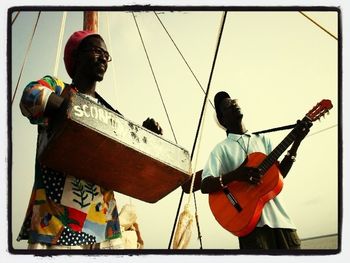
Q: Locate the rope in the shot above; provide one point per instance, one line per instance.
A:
(323, 130)
(25, 57)
(197, 222)
(210, 77)
(313, 21)
(154, 77)
(292, 126)
(14, 19)
(202, 116)
(59, 45)
(188, 66)
(110, 44)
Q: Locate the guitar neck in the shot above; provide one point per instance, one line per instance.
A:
(277, 152)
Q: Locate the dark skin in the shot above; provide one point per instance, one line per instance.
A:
(231, 119)
(90, 67)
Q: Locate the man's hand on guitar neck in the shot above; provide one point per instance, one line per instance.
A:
(302, 129)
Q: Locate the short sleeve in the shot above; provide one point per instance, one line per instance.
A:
(213, 166)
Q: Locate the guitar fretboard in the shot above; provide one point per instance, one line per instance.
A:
(277, 152)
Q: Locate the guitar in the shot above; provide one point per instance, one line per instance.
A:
(238, 206)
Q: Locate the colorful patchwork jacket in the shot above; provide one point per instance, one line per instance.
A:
(63, 210)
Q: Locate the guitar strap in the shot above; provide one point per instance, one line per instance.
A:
(276, 129)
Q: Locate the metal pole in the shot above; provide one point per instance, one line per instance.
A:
(91, 20)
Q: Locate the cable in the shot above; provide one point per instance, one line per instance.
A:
(59, 45)
(194, 196)
(313, 21)
(209, 82)
(25, 57)
(188, 66)
(323, 130)
(14, 19)
(197, 222)
(201, 116)
(111, 51)
(154, 77)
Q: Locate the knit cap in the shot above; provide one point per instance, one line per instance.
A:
(71, 46)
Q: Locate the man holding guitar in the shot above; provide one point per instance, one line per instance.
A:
(264, 224)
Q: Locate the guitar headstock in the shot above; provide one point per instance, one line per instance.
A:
(319, 110)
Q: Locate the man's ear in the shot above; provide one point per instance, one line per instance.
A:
(75, 55)
(220, 122)
(75, 60)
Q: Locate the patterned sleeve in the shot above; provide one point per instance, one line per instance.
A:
(35, 97)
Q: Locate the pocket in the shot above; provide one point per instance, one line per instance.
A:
(258, 239)
(293, 238)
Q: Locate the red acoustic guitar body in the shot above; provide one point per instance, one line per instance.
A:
(251, 198)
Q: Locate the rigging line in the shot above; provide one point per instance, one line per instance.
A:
(209, 81)
(197, 223)
(59, 45)
(14, 19)
(202, 114)
(325, 129)
(184, 59)
(154, 76)
(321, 27)
(188, 66)
(111, 51)
(290, 127)
(26, 57)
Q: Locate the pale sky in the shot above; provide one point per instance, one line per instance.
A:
(278, 65)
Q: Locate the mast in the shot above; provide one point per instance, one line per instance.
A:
(91, 20)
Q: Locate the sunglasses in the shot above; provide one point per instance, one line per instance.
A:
(97, 51)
